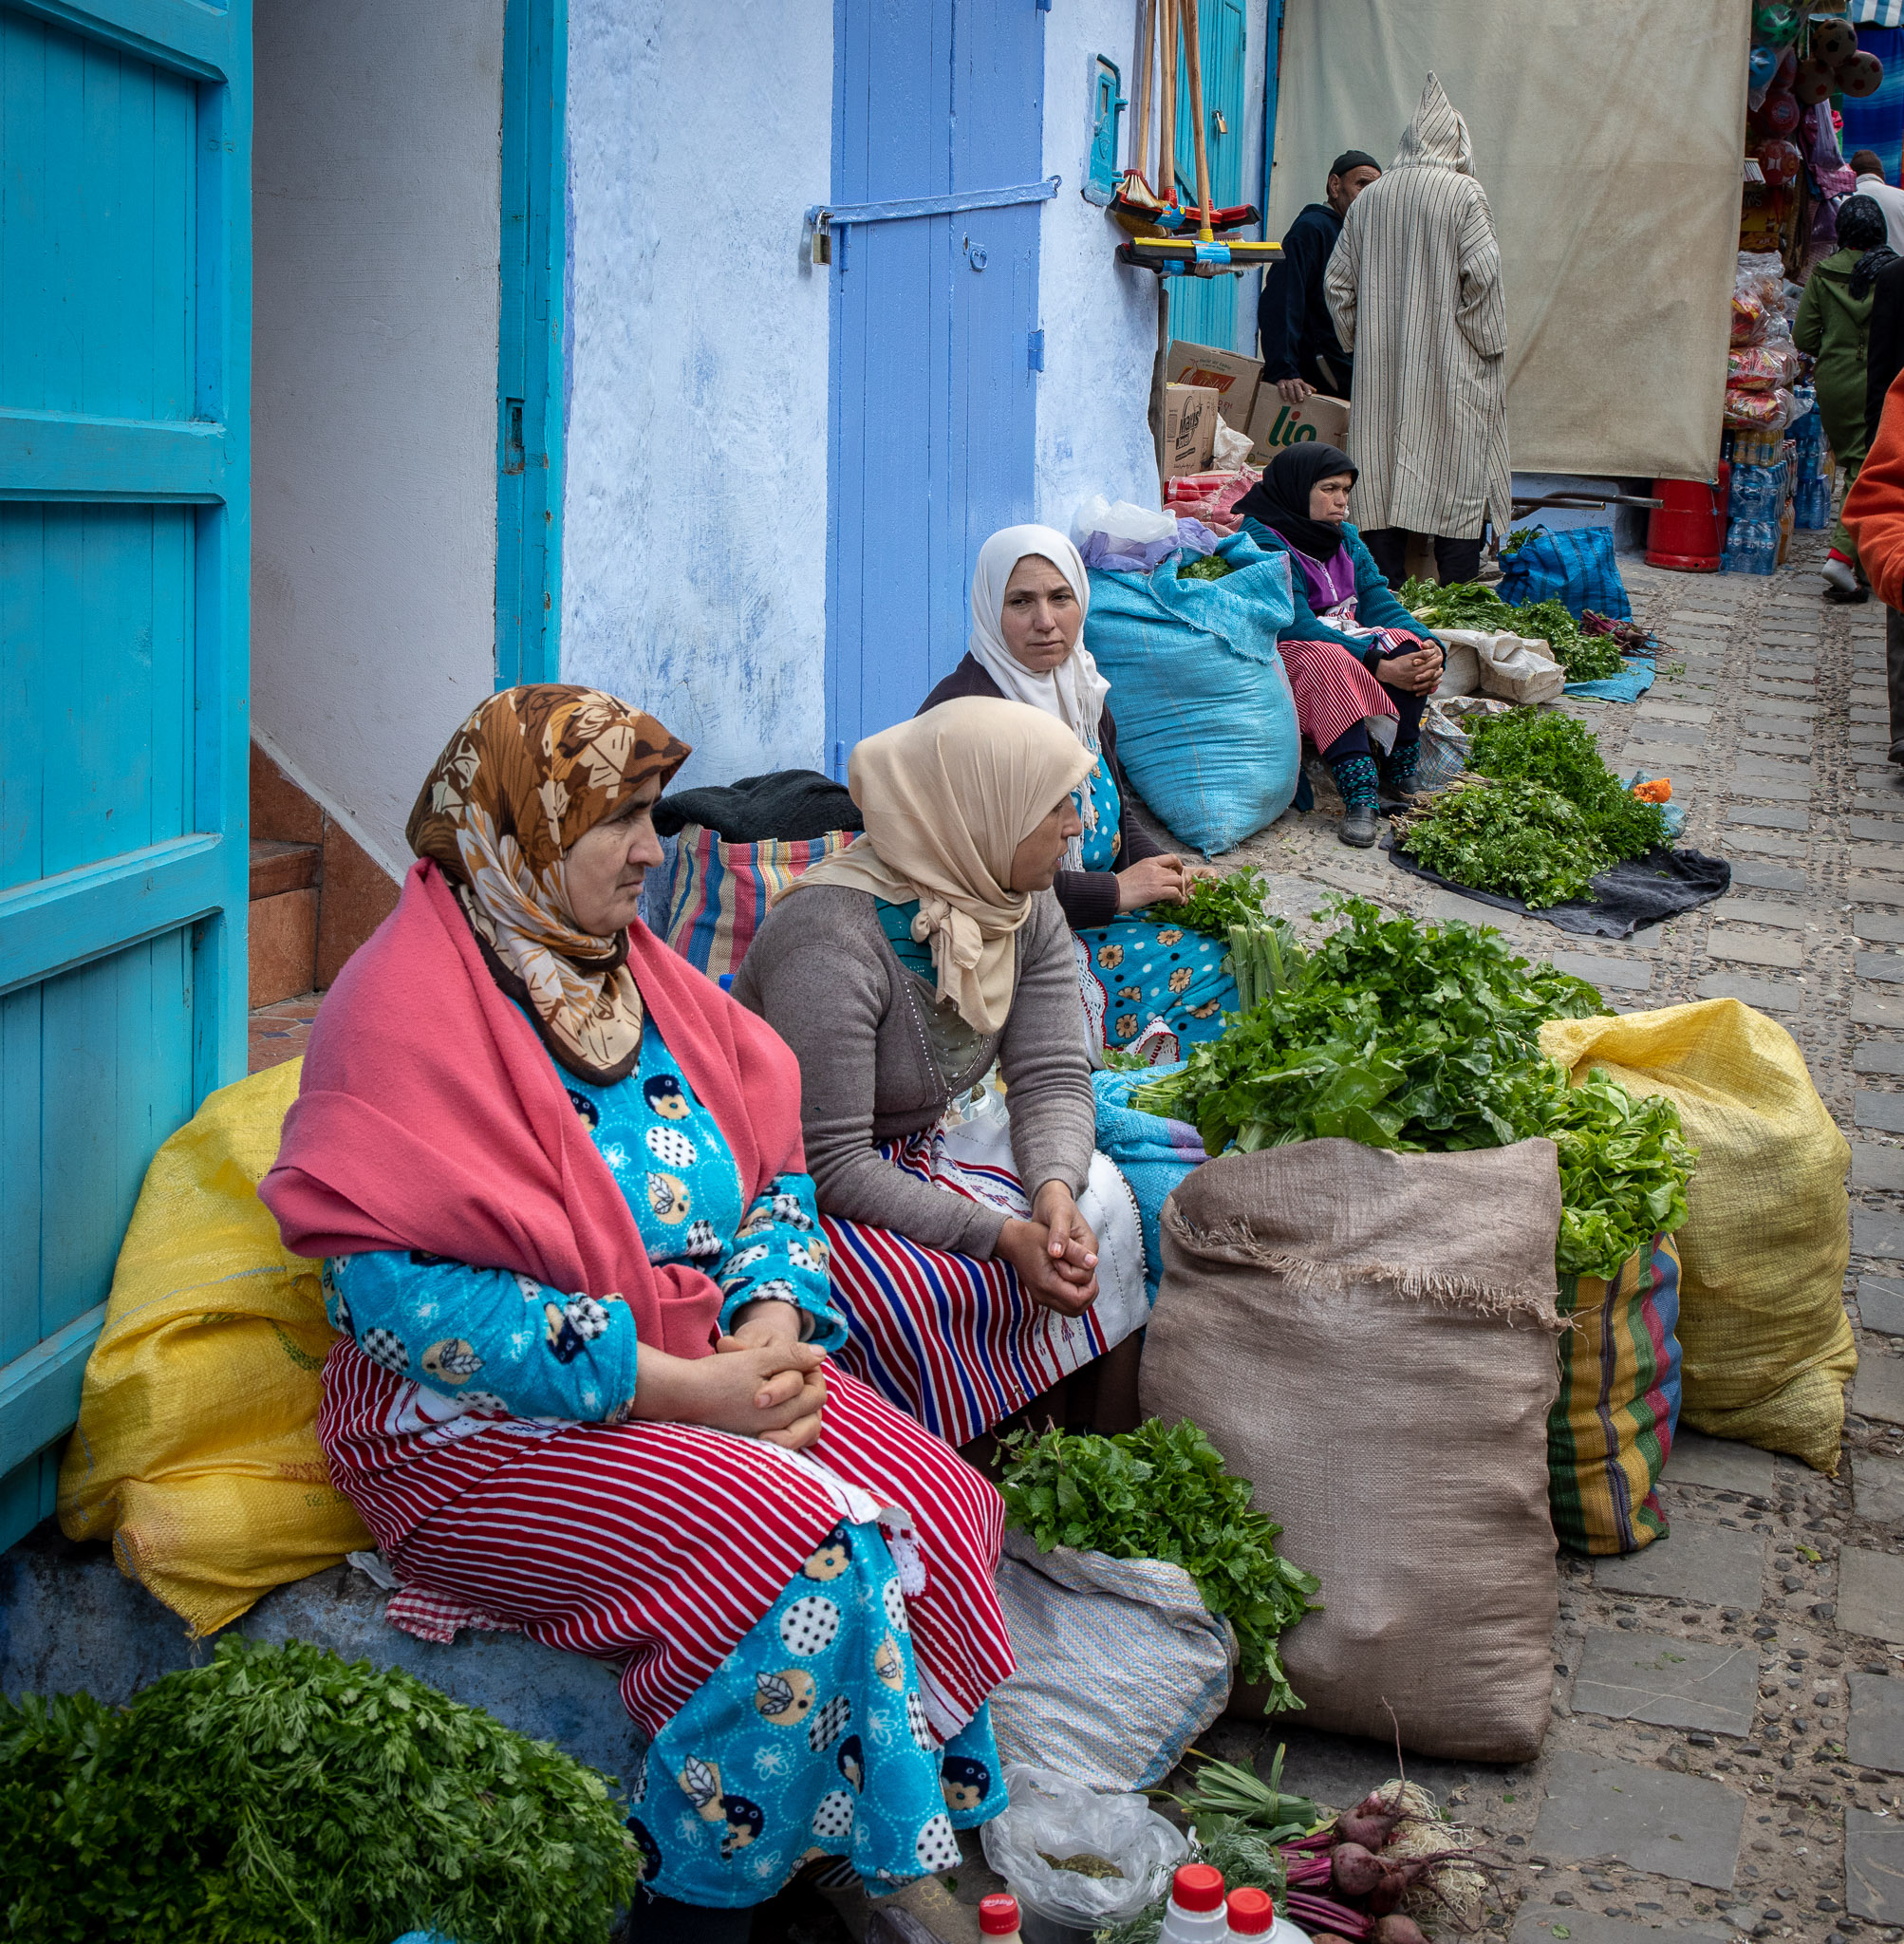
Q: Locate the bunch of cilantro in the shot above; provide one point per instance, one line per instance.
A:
(1215, 904)
(1161, 1492)
(279, 1795)
(1544, 746)
(1427, 1039)
(1466, 603)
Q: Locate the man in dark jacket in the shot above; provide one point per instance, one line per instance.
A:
(1300, 352)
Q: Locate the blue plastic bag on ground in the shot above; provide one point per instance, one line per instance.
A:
(1205, 722)
(1152, 1154)
(1576, 567)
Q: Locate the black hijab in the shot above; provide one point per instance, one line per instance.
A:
(1280, 498)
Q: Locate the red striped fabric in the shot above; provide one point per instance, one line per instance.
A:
(950, 1340)
(660, 1545)
(1333, 690)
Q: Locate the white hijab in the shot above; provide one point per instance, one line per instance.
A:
(1073, 691)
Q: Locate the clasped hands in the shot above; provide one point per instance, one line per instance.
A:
(1053, 1251)
(762, 1381)
(1414, 673)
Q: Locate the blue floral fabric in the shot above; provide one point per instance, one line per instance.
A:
(493, 1340)
(1146, 971)
(811, 1741)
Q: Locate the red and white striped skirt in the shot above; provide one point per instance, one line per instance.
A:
(1333, 690)
(660, 1545)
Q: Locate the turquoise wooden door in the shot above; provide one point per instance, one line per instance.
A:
(125, 155)
(1205, 310)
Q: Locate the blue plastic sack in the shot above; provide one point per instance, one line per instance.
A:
(1152, 1154)
(1207, 725)
(1576, 567)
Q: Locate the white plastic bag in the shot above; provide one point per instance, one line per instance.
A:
(1517, 668)
(1126, 521)
(1120, 1664)
(1062, 1818)
(1232, 449)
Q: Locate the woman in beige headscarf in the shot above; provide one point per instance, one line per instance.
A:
(982, 1258)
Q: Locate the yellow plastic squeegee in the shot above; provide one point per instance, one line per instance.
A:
(1181, 257)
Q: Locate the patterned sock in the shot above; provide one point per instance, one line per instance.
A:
(1398, 766)
(1355, 777)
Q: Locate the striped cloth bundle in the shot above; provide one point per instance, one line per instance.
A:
(1612, 1426)
(719, 892)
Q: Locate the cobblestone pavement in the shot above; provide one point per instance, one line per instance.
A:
(1759, 1791)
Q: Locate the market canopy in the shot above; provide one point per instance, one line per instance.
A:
(1609, 135)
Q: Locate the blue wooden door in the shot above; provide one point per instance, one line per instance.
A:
(935, 345)
(1205, 310)
(126, 155)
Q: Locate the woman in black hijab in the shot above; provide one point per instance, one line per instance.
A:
(1353, 653)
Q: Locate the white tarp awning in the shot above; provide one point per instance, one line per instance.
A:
(1608, 135)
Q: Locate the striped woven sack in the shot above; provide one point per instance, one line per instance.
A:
(719, 892)
(1612, 1426)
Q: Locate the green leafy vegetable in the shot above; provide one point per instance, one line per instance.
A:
(1216, 902)
(1544, 746)
(279, 1794)
(1211, 567)
(1584, 657)
(1161, 1492)
(1518, 540)
(1519, 840)
(1427, 1039)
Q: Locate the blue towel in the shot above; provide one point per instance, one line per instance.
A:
(1151, 1154)
(1876, 121)
(1635, 678)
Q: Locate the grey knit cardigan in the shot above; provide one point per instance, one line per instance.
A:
(879, 1058)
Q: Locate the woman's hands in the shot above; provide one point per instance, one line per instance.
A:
(1151, 881)
(1054, 1252)
(762, 1381)
(1415, 673)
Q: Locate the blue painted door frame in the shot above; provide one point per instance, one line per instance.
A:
(932, 434)
(531, 370)
(125, 168)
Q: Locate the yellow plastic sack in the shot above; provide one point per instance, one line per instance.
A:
(1768, 1347)
(196, 1449)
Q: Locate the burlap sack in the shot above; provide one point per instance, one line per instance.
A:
(1369, 1338)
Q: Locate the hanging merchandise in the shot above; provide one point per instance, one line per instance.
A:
(1779, 161)
(1764, 63)
(1863, 75)
(1833, 41)
(1813, 83)
(1780, 114)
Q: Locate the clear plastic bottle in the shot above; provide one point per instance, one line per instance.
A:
(1252, 1913)
(1195, 1913)
(999, 1918)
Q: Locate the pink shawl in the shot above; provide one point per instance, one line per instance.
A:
(431, 1117)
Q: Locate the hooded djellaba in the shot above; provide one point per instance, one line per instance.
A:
(1414, 287)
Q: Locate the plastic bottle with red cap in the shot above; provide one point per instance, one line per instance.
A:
(999, 1918)
(1195, 1913)
(1252, 1913)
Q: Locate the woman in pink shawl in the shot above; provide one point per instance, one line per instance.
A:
(581, 1383)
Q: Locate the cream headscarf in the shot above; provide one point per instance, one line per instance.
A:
(947, 798)
(1073, 691)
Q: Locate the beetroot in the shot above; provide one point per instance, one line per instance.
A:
(1357, 1872)
(1371, 1832)
(1398, 1930)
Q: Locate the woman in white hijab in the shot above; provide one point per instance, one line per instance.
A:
(981, 1256)
(1030, 595)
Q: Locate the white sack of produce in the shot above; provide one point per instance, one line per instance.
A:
(1369, 1338)
(1516, 667)
(1121, 1665)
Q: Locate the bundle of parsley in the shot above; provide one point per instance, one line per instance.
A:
(1216, 902)
(1427, 1039)
(1550, 819)
(1161, 1492)
(279, 1795)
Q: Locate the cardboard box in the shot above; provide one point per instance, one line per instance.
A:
(1229, 374)
(1189, 429)
(1274, 424)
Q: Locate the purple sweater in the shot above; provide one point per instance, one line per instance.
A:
(1087, 898)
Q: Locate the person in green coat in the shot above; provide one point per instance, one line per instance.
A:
(1833, 325)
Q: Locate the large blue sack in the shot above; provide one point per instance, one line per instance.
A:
(1205, 722)
(1576, 567)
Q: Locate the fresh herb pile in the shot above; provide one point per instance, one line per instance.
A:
(1215, 904)
(1211, 567)
(1161, 1492)
(279, 1794)
(1550, 818)
(1427, 1039)
(1584, 655)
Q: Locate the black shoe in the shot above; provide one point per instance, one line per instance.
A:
(1360, 826)
(1398, 795)
(1896, 755)
(1839, 599)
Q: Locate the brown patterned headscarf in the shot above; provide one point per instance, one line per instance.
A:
(530, 770)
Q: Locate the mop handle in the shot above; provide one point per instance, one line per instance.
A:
(1147, 38)
(1193, 47)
